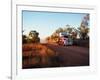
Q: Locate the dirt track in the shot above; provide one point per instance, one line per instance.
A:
(71, 55)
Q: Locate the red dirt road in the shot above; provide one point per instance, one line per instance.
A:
(71, 55)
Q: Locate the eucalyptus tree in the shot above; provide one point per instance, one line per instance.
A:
(34, 36)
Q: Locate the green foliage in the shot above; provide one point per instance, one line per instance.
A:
(83, 32)
(31, 38)
(59, 30)
(33, 34)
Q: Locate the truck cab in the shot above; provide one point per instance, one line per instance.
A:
(65, 39)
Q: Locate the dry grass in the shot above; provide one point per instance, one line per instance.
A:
(37, 54)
